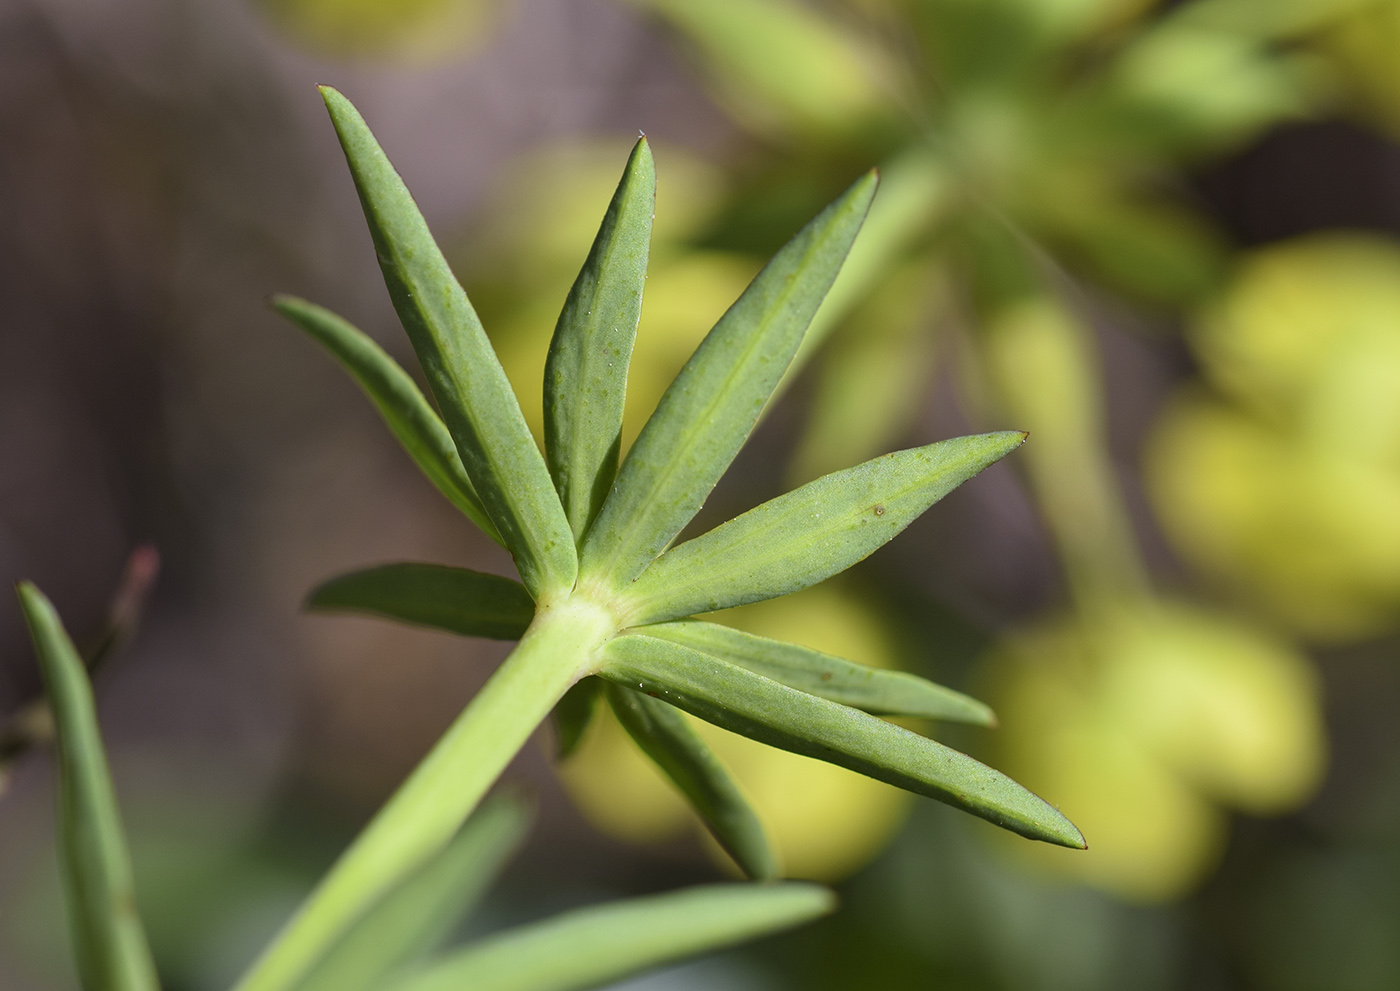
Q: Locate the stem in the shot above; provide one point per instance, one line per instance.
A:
(443, 790)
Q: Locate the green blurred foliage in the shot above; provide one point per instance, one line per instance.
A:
(400, 30)
(1284, 478)
(1031, 147)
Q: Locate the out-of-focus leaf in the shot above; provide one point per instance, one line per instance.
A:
(811, 533)
(413, 422)
(915, 189)
(875, 690)
(478, 406)
(1231, 708)
(709, 410)
(573, 714)
(591, 947)
(1154, 836)
(585, 376)
(417, 916)
(1043, 362)
(782, 64)
(666, 737)
(1180, 88)
(1155, 251)
(457, 600)
(108, 938)
(872, 378)
(1266, 19)
(400, 30)
(754, 706)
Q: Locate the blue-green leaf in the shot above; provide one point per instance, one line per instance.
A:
(590, 947)
(666, 737)
(108, 938)
(478, 406)
(709, 410)
(457, 600)
(811, 533)
(874, 690)
(585, 376)
(762, 709)
(417, 916)
(408, 415)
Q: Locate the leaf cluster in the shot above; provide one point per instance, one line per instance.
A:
(583, 524)
(605, 606)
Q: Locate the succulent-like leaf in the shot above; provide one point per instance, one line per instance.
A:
(811, 533)
(417, 916)
(585, 376)
(874, 690)
(665, 736)
(478, 406)
(573, 714)
(594, 946)
(757, 707)
(108, 938)
(709, 410)
(457, 600)
(408, 415)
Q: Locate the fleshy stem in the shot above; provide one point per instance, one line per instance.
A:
(444, 789)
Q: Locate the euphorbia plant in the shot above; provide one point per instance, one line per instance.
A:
(605, 602)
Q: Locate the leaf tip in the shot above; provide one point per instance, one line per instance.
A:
(1064, 833)
(31, 599)
(285, 303)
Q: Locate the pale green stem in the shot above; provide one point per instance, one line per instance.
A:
(443, 790)
(1044, 364)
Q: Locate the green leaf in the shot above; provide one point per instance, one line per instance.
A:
(709, 410)
(764, 710)
(585, 376)
(416, 917)
(108, 938)
(811, 533)
(573, 714)
(478, 406)
(595, 946)
(457, 600)
(414, 423)
(874, 690)
(666, 737)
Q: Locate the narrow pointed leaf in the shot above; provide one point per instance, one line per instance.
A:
(709, 410)
(478, 406)
(33, 723)
(762, 709)
(457, 600)
(811, 533)
(573, 714)
(665, 736)
(874, 690)
(595, 946)
(408, 415)
(416, 917)
(585, 376)
(108, 938)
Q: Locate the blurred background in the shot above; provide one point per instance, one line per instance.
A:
(1164, 238)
